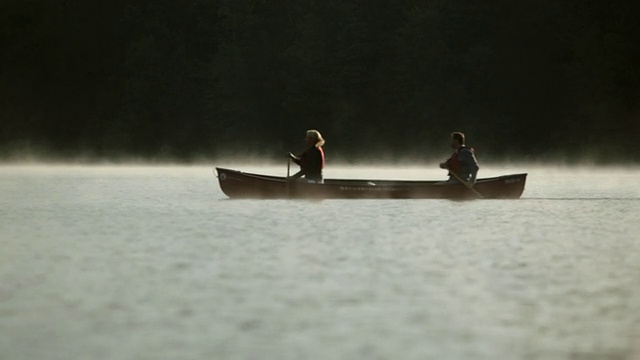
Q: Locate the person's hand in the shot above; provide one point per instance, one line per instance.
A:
(443, 165)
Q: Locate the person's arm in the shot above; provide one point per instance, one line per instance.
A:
(296, 159)
(445, 164)
(301, 161)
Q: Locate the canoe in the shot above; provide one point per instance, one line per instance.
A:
(237, 184)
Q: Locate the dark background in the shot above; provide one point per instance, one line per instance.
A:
(381, 79)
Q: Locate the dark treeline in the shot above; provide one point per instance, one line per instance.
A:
(524, 79)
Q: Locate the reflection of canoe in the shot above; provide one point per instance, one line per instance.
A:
(238, 184)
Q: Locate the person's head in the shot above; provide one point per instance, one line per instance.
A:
(457, 139)
(314, 138)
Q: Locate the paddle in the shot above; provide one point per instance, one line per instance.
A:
(288, 172)
(470, 187)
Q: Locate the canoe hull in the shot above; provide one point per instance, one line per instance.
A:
(238, 184)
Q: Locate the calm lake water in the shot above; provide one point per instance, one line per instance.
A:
(153, 262)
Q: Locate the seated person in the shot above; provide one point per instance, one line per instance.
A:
(311, 161)
(462, 164)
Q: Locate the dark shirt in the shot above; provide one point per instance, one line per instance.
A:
(311, 163)
(466, 163)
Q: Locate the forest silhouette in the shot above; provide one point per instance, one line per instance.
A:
(525, 80)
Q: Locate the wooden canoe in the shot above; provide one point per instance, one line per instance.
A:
(238, 184)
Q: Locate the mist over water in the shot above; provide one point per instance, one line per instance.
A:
(154, 262)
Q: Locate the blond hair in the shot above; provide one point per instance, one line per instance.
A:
(316, 137)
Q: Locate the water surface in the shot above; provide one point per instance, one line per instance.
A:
(153, 262)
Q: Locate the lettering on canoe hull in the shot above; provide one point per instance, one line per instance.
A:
(371, 188)
(511, 181)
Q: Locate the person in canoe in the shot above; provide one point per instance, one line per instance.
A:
(311, 161)
(462, 165)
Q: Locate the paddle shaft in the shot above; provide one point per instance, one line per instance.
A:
(463, 183)
(288, 172)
